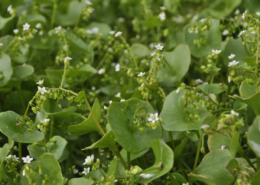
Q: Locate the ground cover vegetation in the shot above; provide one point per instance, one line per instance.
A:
(129, 92)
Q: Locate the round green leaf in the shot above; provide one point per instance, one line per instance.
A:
(19, 133)
(162, 165)
(55, 148)
(5, 68)
(140, 50)
(216, 139)
(21, 72)
(213, 88)
(212, 169)
(80, 181)
(177, 65)
(120, 117)
(49, 166)
(175, 115)
(213, 37)
(253, 136)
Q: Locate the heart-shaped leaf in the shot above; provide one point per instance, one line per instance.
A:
(253, 136)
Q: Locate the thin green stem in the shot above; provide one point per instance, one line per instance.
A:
(115, 149)
(198, 153)
(102, 173)
(241, 151)
(245, 46)
(27, 109)
(128, 160)
(256, 68)
(171, 139)
(20, 154)
(53, 13)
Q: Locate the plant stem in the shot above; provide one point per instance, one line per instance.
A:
(115, 149)
(257, 53)
(53, 13)
(128, 160)
(241, 151)
(102, 173)
(171, 139)
(27, 109)
(20, 154)
(197, 154)
(245, 46)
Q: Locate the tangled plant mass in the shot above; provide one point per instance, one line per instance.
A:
(129, 92)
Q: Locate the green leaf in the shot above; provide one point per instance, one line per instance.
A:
(80, 96)
(175, 115)
(3, 153)
(162, 165)
(4, 21)
(177, 179)
(246, 90)
(107, 141)
(55, 148)
(234, 46)
(121, 116)
(6, 69)
(176, 65)
(140, 50)
(133, 156)
(103, 28)
(217, 139)
(22, 56)
(32, 19)
(212, 169)
(253, 101)
(256, 179)
(222, 8)
(213, 88)
(49, 166)
(77, 43)
(89, 124)
(21, 72)
(233, 166)
(80, 181)
(180, 148)
(213, 37)
(18, 133)
(253, 136)
(151, 21)
(72, 14)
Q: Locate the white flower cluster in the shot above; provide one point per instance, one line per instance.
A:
(89, 160)
(153, 117)
(27, 159)
(13, 157)
(94, 30)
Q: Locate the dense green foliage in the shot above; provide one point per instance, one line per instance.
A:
(129, 92)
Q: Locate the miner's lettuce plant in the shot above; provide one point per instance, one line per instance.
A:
(129, 92)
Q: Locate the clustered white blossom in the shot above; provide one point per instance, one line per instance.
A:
(216, 52)
(10, 9)
(117, 67)
(101, 71)
(13, 157)
(162, 16)
(141, 74)
(231, 56)
(233, 63)
(234, 113)
(27, 159)
(92, 31)
(158, 46)
(198, 81)
(118, 95)
(118, 33)
(40, 82)
(205, 126)
(203, 20)
(241, 33)
(89, 160)
(225, 32)
(26, 26)
(42, 90)
(153, 117)
(86, 171)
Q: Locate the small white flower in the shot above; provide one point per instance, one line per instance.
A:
(23, 172)
(105, 107)
(216, 51)
(38, 26)
(118, 33)
(101, 71)
(27, 159)
(185, 183)
(178, 90)
(26, 26)
(243, 16)
(88, 2)
(141, 74)
(121, 19)
(45, 121)
(225, 32)
(89, 160)
(241, 33)
(110, 101)
(162, 16)
(196, 31)
(162, 7)
(75, 171)
(233, 63)
(203, 20)
(122, 100)
(234, 113)
(231, 56)
(198, 81)
(57, 29)
(42, 90)
(223, 147)
(118, 95)
(10, 9)
(178, 19)
(158, 46)
(152, 54)
(16, 31)
(86, 171)
(205, 126)
(258, 13)
(112, 32)
(1, 44)
(245, 24)
(117, 67)
(95, 30)
(67, 58)
(153, 118)
(40, 82)
(237, 12)
(145, 176)
(151, 45)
